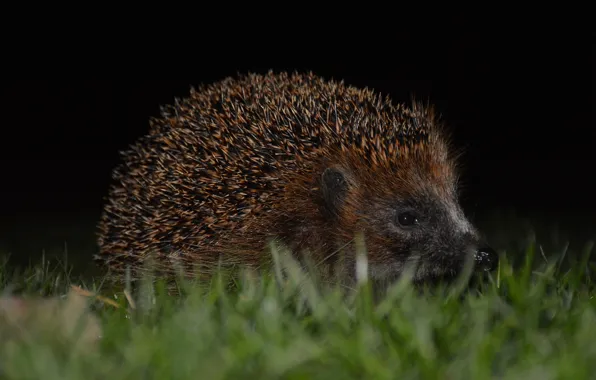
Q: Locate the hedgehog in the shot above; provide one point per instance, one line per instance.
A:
(294, 158)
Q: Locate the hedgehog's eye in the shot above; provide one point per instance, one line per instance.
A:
(407, 219)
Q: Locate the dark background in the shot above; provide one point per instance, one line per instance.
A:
(524, 119)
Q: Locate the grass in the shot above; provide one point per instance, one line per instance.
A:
(532, 320)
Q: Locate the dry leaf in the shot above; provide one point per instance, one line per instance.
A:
(68, 320)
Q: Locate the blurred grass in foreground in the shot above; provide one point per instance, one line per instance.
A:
(534, 320)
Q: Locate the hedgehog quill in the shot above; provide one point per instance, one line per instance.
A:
(294, 157)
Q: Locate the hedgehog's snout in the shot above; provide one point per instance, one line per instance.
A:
(486, 258)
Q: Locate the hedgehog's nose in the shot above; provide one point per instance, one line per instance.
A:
(486, 258)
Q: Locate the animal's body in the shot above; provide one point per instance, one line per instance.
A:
(294, 157)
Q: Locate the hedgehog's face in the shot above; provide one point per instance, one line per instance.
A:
(426, 228)
(427, 231)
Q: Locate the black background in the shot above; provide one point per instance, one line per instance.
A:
(522, 114)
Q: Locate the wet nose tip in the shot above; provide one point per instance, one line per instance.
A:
(486, 258)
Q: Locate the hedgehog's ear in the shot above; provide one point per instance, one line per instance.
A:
(334, 188)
